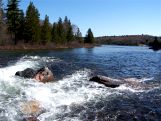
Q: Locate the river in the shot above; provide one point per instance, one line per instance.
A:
(71, 97)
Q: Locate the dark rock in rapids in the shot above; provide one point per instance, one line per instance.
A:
(27, 73)
(30, 119)
(42, 75)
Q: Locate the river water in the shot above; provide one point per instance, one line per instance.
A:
(71, 97)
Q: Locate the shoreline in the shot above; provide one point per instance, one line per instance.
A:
(45, 47)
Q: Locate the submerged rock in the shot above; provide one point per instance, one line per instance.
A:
(31, 108)
(31, 119)
(108, 82)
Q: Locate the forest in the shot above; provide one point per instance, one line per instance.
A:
(19, 29)
(22, 28)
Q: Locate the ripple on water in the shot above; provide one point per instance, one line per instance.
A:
(73, 97)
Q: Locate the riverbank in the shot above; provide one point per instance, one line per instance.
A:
(50, 46)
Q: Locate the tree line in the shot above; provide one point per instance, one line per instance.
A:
(27, 27)
(155, 45)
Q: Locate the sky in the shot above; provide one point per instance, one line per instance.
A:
(104, 17)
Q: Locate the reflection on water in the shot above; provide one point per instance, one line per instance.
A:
(72, 96)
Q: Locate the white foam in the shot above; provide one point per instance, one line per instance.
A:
(124, 87)
(25, 62)
(72, 89)
(64, 92)
(12, 88)
(146, 79)
(139, 80)
(38, 58)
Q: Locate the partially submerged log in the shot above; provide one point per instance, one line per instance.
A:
(108, 82)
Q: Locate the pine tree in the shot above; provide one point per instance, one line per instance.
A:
(32, 24)
(78, 36)
(1, 24)
(69, 34)
(13, 13)
(65, 21)
(1, 14)
(89, 38)
(65, 27)
(54, 33)
(46, 31)
(60, 31)
(68, 30)
(21, 19)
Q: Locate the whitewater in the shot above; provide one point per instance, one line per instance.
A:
(72, 97)
(58, 98)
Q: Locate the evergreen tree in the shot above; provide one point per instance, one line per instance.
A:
(60, 31)
(69, 34)
(155, 45)
(21, 19)
(54, 33)
(1, 24)
(46, 31)
(78, 36)
(13, 13)
(1, 14)
(68, 30)
(32, 24)
(65, 27)
(89, 38)
(66, 21)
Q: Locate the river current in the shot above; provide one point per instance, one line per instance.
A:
(72, 97)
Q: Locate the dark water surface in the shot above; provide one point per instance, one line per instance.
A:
(72, 96)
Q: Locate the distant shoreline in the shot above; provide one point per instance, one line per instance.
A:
(125, 40)
(130, 40)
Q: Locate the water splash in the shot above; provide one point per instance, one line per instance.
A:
(57, 98)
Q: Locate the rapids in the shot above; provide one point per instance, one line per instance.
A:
(71, 97)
